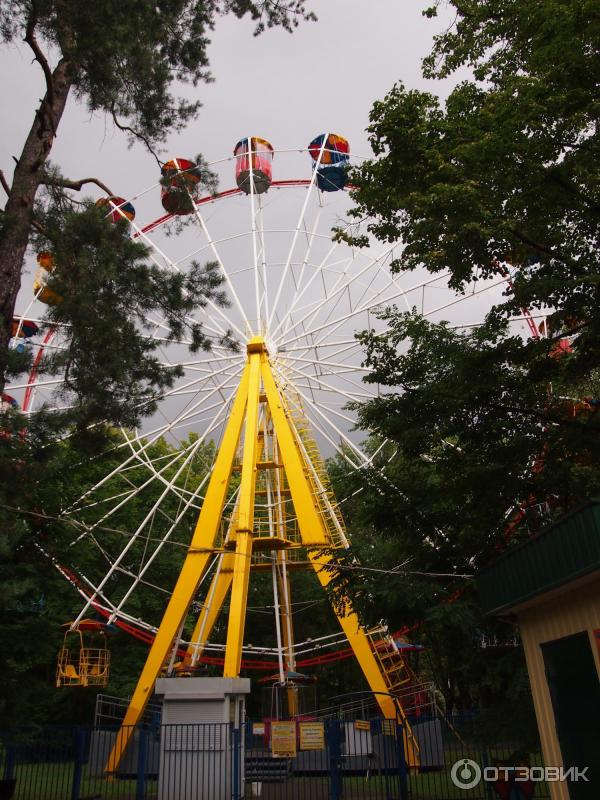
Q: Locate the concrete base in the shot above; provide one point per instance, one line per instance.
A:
(198, 757)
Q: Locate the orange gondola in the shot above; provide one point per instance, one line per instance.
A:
(84, 659)
(47, 264)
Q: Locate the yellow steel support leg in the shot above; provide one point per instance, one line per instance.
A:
(237, 605)
(243, 535)
(197, 558)
(215, 597)
(314, 535)
(313, 530)
(213, 602)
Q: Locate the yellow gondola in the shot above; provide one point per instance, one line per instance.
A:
(81, 660)
(46, 266)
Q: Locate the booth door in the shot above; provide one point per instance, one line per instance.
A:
(575, 691)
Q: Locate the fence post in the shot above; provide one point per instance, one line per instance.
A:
(335, 758)
(402, 770)
(235, 734)
(11, 760)
(78, 763)
(485, 762)
(140, 783)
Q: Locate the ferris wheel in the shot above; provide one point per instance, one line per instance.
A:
(296, 297)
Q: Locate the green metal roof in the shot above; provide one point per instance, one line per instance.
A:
(568, 549)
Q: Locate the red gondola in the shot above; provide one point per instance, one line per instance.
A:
(180, 183)
(253, 164)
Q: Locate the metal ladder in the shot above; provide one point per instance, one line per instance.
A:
(317, 474)
(394, 667)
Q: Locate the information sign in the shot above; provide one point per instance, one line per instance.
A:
(283, 739)
(312, 736)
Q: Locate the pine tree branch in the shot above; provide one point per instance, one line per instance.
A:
(65, 183)
(4, 184)
(39, 227)
(35, 224)
(135, 134)
(42, 61)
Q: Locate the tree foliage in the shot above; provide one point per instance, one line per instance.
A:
(109, 290)
(502, 176)
(415, 552)
(507, 169)
(40, 476)
(125, 58)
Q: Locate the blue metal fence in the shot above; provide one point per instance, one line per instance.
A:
(216, 761)
(210, 761)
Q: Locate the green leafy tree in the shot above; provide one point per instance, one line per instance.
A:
(32, 594)
(122, 58)
(504, 173)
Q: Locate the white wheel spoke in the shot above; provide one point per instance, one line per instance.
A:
(153, 438)
(317, 379)
(215, 252)
(297, 231)
(137, 533)
(371, 304)
(254, 234)
(263, 260)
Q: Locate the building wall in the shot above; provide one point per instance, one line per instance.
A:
(572, 611)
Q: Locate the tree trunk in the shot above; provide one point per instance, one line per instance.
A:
(18, 213)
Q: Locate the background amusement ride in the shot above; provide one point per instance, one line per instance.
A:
(273, 394)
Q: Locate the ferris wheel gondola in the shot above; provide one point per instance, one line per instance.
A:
(84, 658)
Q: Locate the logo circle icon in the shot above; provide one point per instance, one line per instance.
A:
(465, 773)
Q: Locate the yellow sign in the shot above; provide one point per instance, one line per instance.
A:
(362, 725)
(258, 728)
(312, 736)
(283, 739)
(388, 727)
